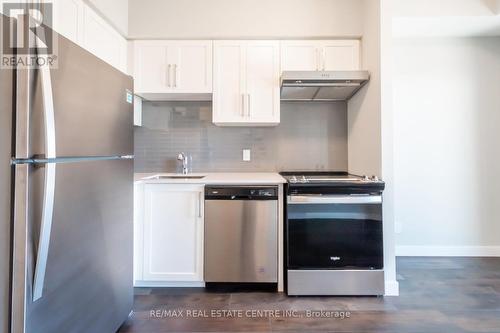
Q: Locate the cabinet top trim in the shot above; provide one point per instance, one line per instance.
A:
(205, 38)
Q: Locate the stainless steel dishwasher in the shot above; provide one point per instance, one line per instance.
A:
(241, 234)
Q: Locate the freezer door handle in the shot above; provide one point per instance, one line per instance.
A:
(50, 179)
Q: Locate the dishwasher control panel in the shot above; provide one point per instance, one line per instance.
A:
(241, 193)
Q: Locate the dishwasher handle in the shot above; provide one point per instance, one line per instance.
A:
(241, 193)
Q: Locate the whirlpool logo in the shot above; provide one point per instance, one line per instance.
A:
(335, 259)
(26, 40)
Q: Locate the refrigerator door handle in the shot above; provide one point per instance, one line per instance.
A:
(50, 179)
(45, 230)
(48, 110)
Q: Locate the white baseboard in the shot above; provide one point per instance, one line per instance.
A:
(391, 288)
(448, 251)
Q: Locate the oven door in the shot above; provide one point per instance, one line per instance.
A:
(334, 232)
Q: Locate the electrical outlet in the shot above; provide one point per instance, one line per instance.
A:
(246, 155)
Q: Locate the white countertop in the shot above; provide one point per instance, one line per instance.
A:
(215, 178)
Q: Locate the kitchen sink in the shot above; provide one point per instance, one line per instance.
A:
(178, 177)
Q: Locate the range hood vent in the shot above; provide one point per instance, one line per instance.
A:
(321, 86)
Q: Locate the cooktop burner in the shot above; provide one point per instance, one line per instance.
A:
(325, 182)
(326, 177)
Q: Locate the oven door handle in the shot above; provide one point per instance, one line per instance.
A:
(334, 199)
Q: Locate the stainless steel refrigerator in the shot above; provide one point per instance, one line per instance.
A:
(66, 196)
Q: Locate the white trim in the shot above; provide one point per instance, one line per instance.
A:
(115, 27)
(170, 284)
(448, 251)
(281, 253)
(391, 288)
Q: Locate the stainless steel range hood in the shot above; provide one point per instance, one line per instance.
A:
(297, 86)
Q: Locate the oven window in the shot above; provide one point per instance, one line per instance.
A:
(335, 236)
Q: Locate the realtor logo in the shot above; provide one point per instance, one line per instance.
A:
(25, 39)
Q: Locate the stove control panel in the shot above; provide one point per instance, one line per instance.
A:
(298, 179)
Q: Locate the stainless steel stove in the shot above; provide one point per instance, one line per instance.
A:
(334, 239)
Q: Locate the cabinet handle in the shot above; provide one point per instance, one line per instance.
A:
(175, 75)
(249, 106)
(167, 76)
(323, 55)
(243, 105)
(199, 204)
(317, 59)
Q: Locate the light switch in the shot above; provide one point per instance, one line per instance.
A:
(246, 155)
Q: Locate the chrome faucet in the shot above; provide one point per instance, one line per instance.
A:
(184, 158)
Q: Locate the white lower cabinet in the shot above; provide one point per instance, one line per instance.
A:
(170, 246)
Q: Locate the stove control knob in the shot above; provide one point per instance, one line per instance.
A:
(365, 178)
(293, 179)
(374, 178)
(304, 180)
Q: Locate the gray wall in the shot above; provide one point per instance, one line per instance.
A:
(226, 19)
(311, 136)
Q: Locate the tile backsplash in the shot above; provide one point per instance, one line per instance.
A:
(311, 136)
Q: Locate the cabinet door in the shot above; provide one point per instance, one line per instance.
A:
(138, 231)
(262, 82)
(173, 232)
(229, 83)
(103, 41)
(68, 19)
(341, 55)
(300, 55)
(151, 71)
(192, 66)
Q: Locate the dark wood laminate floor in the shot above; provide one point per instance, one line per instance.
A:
(441, 295)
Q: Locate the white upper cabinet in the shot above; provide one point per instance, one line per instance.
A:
(320, 55)
(151, 71)
(79, 23)
(246, 83)
(173, 69)
(192, 61)
(68, 19)
(229, 82)
(341, 55)
(103, 40)
(263, 82)
(300, 55)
